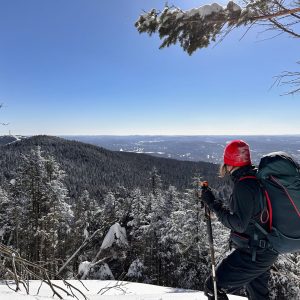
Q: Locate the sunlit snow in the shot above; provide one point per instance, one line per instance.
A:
(105, 290)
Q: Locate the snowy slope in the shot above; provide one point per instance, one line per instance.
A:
(124, 291)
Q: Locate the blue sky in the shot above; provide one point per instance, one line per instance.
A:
(80, 67)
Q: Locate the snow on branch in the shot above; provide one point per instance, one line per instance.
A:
(116, 234)
(198, 27)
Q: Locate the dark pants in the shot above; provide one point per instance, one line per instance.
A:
(238, 270)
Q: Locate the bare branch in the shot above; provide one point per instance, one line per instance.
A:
(15, 272)
(85, 243)
(284, 28)
(118, 285)
(12, 255)
(291, 79)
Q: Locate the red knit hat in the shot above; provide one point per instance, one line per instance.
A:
(237, 154)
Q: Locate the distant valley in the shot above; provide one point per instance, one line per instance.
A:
(100, 170)
(193, 148)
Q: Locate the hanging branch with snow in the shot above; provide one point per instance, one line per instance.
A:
(196, 28)
(87, 240)
(116, 235)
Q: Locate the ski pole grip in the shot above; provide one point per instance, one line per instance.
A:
(204, 185)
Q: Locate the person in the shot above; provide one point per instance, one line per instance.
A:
(249, 264)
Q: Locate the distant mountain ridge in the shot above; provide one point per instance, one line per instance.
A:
(194, 148)
(8, 139)
(99, 170)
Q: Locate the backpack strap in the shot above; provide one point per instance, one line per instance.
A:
(248, 177)
(266, 214)
(269, 209)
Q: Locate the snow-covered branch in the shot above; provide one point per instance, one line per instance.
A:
(198, 27)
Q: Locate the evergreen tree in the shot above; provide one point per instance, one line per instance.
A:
(6, 214)
(85, 209)
(155, 182)
(45, 218)
(136, 226)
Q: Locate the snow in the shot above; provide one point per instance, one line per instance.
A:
(236, 7)
(116, 234)
(135, 269)
(85, 233)
(12, 181)
(105, 272)
(109, 290)
(205, 10)
(83, 267)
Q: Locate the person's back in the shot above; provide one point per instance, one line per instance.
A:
(248, 265)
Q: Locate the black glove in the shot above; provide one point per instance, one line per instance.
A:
(210, 200)
(208, 197)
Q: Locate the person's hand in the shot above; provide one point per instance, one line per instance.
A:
(208, 197)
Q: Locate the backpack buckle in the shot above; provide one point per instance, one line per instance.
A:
(262, 244)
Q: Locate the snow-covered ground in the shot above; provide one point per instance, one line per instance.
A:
(105, 290)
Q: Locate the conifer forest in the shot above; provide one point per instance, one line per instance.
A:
(146, 226)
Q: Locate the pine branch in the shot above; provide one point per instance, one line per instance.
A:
(197, 28)
(284, 8)
(283, 12)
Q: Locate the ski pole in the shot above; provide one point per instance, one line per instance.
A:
(204, 186)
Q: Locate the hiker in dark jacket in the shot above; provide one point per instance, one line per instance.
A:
(249, 264)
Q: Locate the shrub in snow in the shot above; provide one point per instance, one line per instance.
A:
(103, 272)
(135, 270)
(90, 271)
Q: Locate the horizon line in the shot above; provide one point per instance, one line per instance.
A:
(152, 135)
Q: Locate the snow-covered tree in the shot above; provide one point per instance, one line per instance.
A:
(285, 277)
(44, 220)
(6, 216)
(85, 209)
(155, 182)
(137, 216)
(198, 27)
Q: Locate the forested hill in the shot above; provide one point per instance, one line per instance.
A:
(99, 170)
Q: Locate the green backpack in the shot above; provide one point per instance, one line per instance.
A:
(279, 176)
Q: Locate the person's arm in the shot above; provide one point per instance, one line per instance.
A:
(243, 202)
